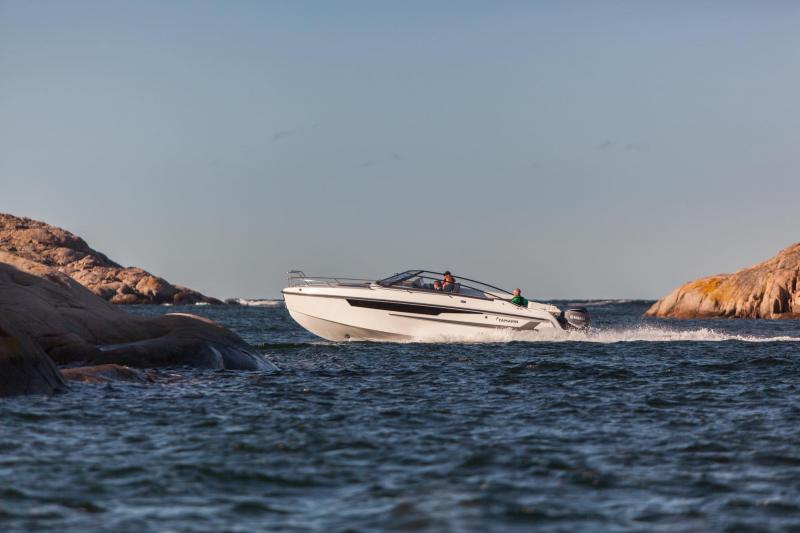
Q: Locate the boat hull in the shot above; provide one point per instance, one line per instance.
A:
(369, 315)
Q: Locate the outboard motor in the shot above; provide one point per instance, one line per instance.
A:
(575, 318)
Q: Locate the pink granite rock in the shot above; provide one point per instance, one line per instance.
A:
(47, 317)
(67, 253)
(767, 290)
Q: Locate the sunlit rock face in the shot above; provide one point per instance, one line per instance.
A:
(47, 318)
(767, 290)
(68, 253)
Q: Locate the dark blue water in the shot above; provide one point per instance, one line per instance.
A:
(640, 426)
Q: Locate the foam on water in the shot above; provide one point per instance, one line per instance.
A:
(640, 333)
(258, 302)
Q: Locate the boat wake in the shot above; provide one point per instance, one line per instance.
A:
(642, 333)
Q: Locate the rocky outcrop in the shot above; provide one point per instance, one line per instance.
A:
(24, 367)
(69, 254)
(104, 374)
(46, 317)
(767, 290)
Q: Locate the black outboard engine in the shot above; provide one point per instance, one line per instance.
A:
(575, 318)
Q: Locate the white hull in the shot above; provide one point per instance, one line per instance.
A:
(387, 314)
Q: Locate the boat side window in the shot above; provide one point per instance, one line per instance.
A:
(452, 287)
(419, 283)
(427, 283)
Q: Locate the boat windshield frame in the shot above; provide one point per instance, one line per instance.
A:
(486, 290)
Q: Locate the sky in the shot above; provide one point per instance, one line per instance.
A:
(573, 149)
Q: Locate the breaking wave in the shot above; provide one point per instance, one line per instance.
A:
(258, 302)
(642, 333)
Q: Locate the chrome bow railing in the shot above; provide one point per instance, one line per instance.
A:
(298, 278)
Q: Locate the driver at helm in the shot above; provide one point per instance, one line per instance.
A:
(448, 282)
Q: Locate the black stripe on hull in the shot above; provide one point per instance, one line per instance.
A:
(408, 308)
(530, 326)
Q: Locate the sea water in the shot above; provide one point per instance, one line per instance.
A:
(636, 425)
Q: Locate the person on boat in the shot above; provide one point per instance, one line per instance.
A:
(437, 285)
(448, 282)
(518, 299)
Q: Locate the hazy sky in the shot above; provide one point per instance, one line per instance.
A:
(575, 149)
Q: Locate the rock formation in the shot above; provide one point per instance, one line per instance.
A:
(104, 374)
(24, 367)
(67, 253)
(46, 317)
(767, 290)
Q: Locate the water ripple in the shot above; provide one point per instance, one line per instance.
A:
(637, 425)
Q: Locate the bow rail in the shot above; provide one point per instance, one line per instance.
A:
(298, 278)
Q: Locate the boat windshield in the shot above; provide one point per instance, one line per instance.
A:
(399, 278)
(423, 280)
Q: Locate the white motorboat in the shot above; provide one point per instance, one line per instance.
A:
(407, 307)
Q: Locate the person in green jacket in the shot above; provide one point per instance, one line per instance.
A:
(518, 299)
